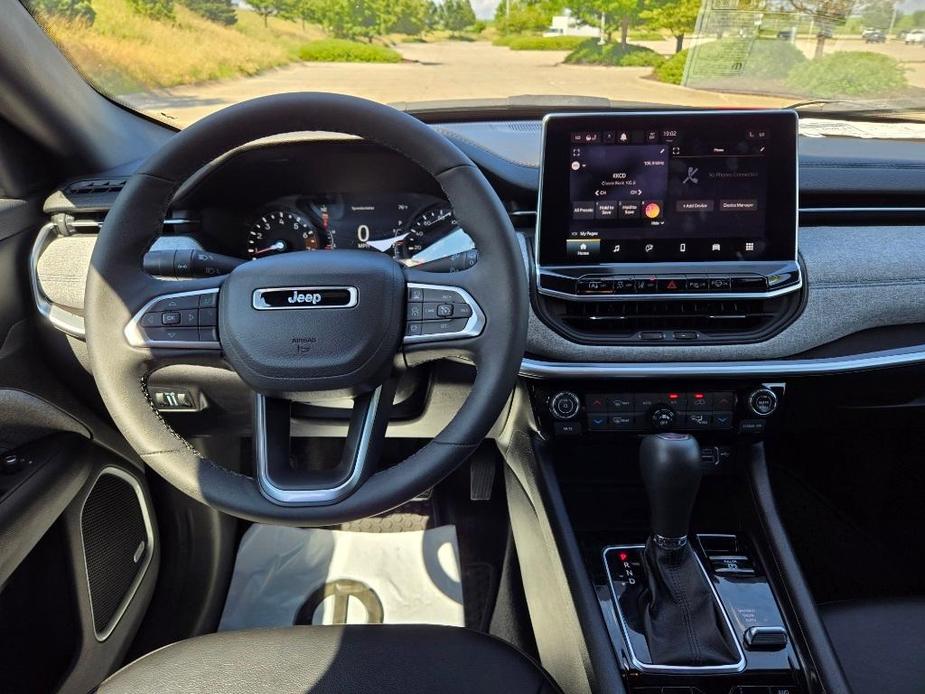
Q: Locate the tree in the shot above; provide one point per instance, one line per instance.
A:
(432, 18)
(524, 17)
(154, 9)
(826, 16)
(620, 13)
(457, 15)
(677, 16)
(218, 11)
(264, 8)
(409, 17)
(877, 14)
(350, 19)
(74, 10)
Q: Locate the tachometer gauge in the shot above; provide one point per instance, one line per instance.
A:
(281, 231)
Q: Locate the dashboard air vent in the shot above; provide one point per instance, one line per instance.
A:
(669, 321)
(96, 185)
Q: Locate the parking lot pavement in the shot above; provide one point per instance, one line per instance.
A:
(437, 71)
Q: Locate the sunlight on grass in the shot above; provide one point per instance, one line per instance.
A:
(124, 52)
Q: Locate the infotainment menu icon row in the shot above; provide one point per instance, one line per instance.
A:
(687, 187)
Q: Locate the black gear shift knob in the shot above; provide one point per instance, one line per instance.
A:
(670, 465)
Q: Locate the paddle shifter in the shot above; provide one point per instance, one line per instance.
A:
(674, 607)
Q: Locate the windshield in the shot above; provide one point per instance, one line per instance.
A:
(179, 60)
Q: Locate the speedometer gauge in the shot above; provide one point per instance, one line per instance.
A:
(281, 231)
(429, 226)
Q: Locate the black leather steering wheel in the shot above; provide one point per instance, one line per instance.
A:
(331, 322)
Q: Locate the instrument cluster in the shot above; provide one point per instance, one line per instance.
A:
(413, 228)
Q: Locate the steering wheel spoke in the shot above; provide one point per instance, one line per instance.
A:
(287, 481)
(443, 317)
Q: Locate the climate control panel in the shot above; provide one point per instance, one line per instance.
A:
(600, 409)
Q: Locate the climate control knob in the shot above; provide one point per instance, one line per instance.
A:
(662, 417)
(762, 402)
(564, 405)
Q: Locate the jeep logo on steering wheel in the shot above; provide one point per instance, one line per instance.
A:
(275, 298)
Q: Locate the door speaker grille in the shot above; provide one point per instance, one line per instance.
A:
(117, 542)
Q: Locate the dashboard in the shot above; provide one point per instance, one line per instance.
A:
(860, 247)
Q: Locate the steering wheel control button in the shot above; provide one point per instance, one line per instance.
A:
(209, 300)
(208, 316)
(156, 335)
(180, 322)
(445, 327)
(763, 402)
(415, 294)
(176, 303)
(441, 295)
(443, 313)
(565, 405)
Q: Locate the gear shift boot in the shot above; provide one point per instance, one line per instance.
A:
(670, 616)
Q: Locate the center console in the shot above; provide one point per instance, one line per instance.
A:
(669, 228)
(660, 230)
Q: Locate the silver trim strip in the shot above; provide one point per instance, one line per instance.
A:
(537, 368)
(669, 297)
(136, 337)
(139, 577)
(474, 325)
(259, 303)
(310, 497)
(673, 669)
(65, 321)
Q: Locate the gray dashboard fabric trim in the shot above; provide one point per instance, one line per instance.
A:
(512, 151)
(857, 278)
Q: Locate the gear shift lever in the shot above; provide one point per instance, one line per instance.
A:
(675, 608)
(670, 465)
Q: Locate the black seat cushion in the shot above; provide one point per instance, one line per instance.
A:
(385, 659)
(880, 644)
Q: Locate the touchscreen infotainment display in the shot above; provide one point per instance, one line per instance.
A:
(669, 187)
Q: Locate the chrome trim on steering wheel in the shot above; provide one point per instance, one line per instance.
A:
(310, 497)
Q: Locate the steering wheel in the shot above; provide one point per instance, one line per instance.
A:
(296, 325)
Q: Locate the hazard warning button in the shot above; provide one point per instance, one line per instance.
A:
(667, 285)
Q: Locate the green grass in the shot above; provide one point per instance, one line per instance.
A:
(590, 53)
(343, 51)
(527, 42)
(849, 74)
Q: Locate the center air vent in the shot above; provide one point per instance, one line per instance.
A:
(669, 321)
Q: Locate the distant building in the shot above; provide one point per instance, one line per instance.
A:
(567, 25)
